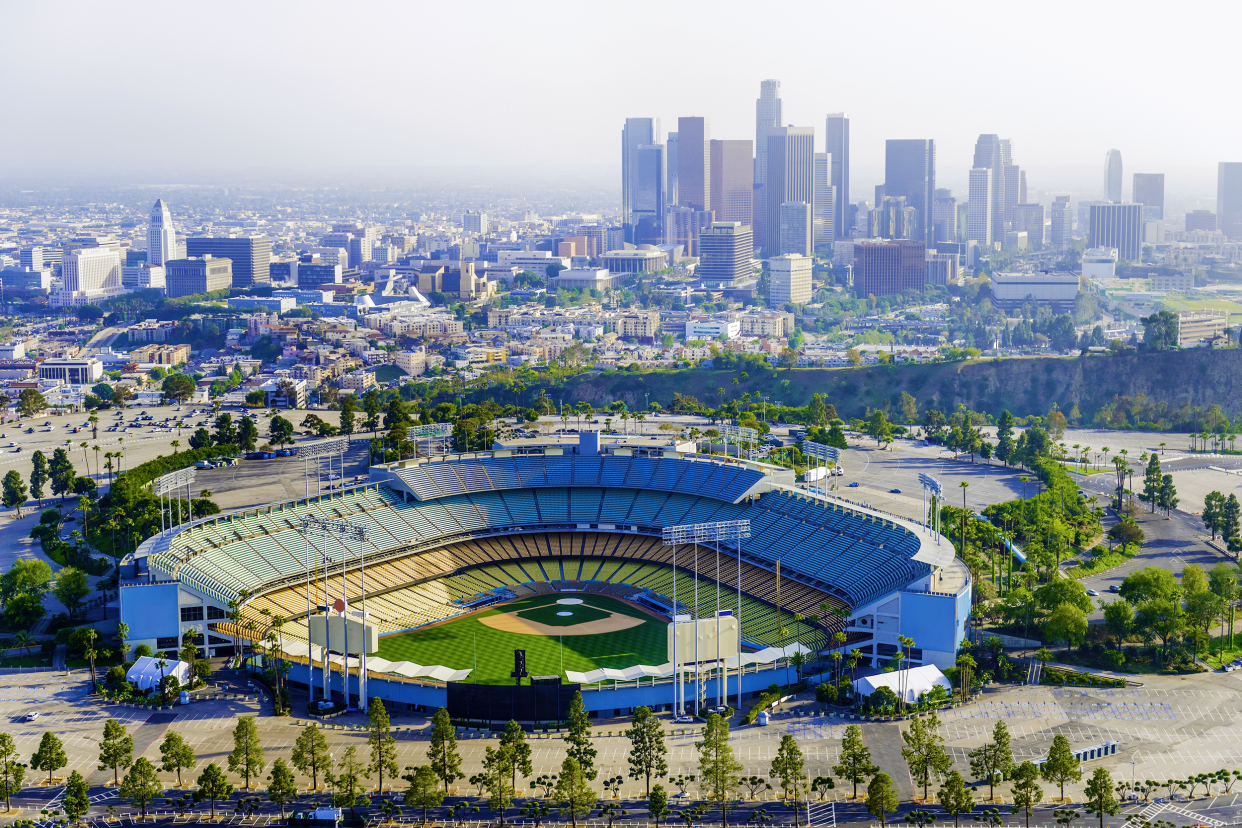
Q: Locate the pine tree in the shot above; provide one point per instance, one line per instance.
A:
(424, 791)
(247, 756)
(1213, 512)
(1168, 494)
(855, 759)
(573, 790)
(380, 740)
(1026, 791)
(924, 751)
(955, 797)
(1099, 795)
(993, 759)
(718, 768)
(657, 804)
(50, 756)
(1151, 481)
(39, 475)
(579, 737)
(213, 785)
(12, 771)
(310, 754)
(789, 766)
(282, 787)
(1061, 766)
(176, 755)
(77, 799)
(349, 782)
(442, 749)
(647, 750)
(116, 749)
(1004, 435)
(1229, 518)
(141, 785)
(882, 797)
(497, 766)
(514, 738)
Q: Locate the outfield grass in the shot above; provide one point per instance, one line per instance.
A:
(454, 643)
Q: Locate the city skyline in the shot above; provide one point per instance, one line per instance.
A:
(249, 85)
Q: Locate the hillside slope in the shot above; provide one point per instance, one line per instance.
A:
(1196, 379)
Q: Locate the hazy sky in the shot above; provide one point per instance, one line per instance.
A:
(174, 88)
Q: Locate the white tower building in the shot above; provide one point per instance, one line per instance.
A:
(161, 235)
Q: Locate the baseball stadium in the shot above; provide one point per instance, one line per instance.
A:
(576, 553)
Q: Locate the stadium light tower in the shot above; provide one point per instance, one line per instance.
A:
(821, 452)
(703, 533)
(337, 445)
(430, 432)
(169, 486)
(341, 530)
(932, 520)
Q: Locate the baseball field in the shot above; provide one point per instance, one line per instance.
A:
(586, 630)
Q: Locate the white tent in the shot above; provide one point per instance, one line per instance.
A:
(145, 672)
(915, 681)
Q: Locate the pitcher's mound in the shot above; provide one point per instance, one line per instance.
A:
(610, 622)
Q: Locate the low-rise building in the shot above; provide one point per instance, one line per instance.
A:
(725, 328)
(412, 362)
(273, 303)
(161, 354)
(358, 381)
(1197, 327)
(71, 371)
(285, 392)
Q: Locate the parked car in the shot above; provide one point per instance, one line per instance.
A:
(31, 716)
(854, 485)
(894, 491)
(1093, 593)
(1114, 588)
(762, 718)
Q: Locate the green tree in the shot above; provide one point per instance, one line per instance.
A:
(882, 797)
(281, 430)
(442, 749)
(14, 496)
(12, 771)
(30, 402)
(789, 766)
(579, 737)
(213, 786)
(349, 785)
(718, 768)
(1061, 766)
(647, 750)
(50, 755)
(1026, 791)
(1067, 623)
(879, 428)
(178, 387)
(1151, 481)
(247, 434)
(282, 787)
(226, 432)
(1167, 497)
(62, 473)
(39, 476)
(924, 751)
(116, 749)
(1099, 795)
(176, 755)
(72, 587)
(855, 759)
(514, 738)
(311, 754)
(247, 756)
(657, 804)
(993, 760)
(1004, 437)
(573, 790)
(141, 785)
(424, 791)
(77, 799)
(1213, 512)
(1230, 513)
(955, 797)
(497, 766)
(349, 407)
(381, 742)
(1160, 331)
(1118, 620)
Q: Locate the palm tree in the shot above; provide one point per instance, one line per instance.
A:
(175, 445)
(1162, 446)
(23, 639)
(1024, 480)
(86, 458)
(162, 663)
(96, 450)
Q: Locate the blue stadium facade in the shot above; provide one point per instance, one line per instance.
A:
(581, 516)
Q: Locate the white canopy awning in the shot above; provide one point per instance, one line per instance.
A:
(765, 656)
(375, 664)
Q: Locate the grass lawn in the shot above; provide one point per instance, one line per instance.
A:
(454, 643)
(388, 373)
(35, 660)
(1099, 563)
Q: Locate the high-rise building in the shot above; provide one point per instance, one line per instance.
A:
(944, 216)
(825, 232)
(474, 221)
(250, 256)
(671, 151)
(31, 258)
(910, 173)
(1015, 180)
(1149, 191)
(682, 226)
(161, 235)
(649, 201)
(768, 114)
(893, 219)
(790, 177)
(889, 266)
(1112, 176)
(797, 225)
(637, 132)
(365, 238)
(724, 254)
(995, 154)
(1118, 226)
(979, 212)
(732, 175)
(694, 173)
(200, 274)
(1200, 220)
(837, 145)
(1229, 199)
(789, 279)
(88, 275)
(1029, 219)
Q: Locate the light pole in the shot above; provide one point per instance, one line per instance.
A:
(342, 530)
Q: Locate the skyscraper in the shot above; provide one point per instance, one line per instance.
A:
(767, 115)
(694, 172)
(1229, 199)
(995, 154)
(1014, 195)
(790, 177)
(789, 280)
(825, 232)
(161, 235)
(837, 145)
(251, 256)
(1112, 175)
(979, 210)
(732, 175)
(1119, 226)
(670, 172)
(1200, 220)
(648, 199)
(910, 173)
(1029, 218)
(887, 267)
(797, 228)
(636, 133)
(944, 216)
(725, 253)
(1149, 191)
